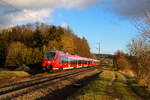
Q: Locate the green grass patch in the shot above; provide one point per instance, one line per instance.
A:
(95, 90)
(98, 89)
(141, 91)
(10, 74)
(109, 68)
(121, 90)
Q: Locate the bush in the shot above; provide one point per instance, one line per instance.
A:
(120, 61)
(16, 54)
(139, 51)
(36, 55)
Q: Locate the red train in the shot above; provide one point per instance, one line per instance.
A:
(54, 60)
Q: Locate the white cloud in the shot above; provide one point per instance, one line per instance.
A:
(24, 16)
(64, 25)
(31, 15)
(18, 11)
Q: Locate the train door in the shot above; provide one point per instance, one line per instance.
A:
(60, 62)
(65, 62)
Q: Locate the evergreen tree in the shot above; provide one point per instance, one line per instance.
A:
(37, 38)
(52, 33)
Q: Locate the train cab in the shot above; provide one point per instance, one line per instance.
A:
(49, 60)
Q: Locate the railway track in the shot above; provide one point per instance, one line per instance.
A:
(14, 90)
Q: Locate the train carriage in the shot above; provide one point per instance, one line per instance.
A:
(54, 60)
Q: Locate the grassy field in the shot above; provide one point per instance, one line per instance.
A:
(122, 89)
(95, 89)
(98, 89)
(10, 74)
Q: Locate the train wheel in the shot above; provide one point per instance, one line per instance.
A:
(61, 68)
(49, 68)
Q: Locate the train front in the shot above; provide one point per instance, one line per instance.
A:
(49, 60)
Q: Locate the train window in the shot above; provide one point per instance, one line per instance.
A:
(90, 61)
(82, 61)
(60, 59)
(72, 62)
(85, 62)
(76, 61)
(63, 59)
(79, 61)
(66, 59)
(50, 55)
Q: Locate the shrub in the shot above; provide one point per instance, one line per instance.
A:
(120, 61)
(16, 54)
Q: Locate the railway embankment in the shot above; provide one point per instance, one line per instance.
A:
(12, 74)
(49, 86)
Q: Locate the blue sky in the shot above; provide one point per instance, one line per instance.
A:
(109, 22)
(97, 25)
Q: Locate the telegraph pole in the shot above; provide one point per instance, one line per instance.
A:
(99, 48)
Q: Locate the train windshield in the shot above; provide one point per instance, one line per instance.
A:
(50, 55)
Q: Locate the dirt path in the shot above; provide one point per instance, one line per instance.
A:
(110, 89)
(128, 88)
(118, 88)
(112, 80)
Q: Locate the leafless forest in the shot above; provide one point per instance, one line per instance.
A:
(137, 60)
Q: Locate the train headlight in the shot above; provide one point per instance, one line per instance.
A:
(49, 62)
(44, 64)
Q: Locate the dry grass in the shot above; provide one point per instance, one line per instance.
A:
(139, 90)
(11, 74)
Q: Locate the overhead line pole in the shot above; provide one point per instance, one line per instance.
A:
(99, 48)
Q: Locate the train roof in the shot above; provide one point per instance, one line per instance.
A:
(55, 51)
(75, 57)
